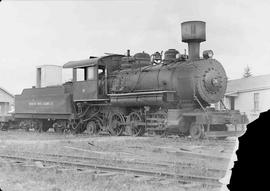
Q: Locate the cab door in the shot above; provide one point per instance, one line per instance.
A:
(102, 82)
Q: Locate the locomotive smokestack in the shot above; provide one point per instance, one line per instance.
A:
(193, 33)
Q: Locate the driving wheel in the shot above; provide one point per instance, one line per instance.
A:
(136, 129)
(196, 131)
(116, 126)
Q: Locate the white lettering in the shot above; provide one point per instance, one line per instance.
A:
(48, 103)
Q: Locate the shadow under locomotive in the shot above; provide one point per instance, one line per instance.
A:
(135, 94)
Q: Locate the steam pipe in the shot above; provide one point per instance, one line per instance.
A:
(194, 50)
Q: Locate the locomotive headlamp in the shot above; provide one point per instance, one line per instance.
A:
(208, 54)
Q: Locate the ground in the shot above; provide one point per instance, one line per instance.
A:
(180, 155)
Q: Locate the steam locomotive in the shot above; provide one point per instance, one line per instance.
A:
(134, 94)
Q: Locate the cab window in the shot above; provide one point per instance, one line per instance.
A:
(80, 74)
(90, 73)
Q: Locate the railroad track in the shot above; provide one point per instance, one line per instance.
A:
(106, 168)
(163, 165)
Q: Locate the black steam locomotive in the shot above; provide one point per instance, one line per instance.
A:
(134, 94)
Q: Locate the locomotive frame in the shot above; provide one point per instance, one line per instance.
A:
(104, 112)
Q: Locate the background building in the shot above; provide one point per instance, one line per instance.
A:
(6, 102)
(250, 95)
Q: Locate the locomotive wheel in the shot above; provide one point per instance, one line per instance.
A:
(136, 130)
(38, 126)
(91, 128)
(115, 126)
(59, 126)
(196, 131)
(25, 124)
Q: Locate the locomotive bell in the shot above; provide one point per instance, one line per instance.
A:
(193, 33)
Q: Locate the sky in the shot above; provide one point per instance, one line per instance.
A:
(34, 33)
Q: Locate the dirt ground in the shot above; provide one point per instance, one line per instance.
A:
(171, 150)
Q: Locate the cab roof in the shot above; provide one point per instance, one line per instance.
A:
(90, 62)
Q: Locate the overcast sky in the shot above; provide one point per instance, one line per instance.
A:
(55, 32)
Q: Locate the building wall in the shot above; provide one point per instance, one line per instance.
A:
(244, 102)
(6, 102)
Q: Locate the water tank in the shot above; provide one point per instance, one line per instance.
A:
(48, 75)
(193, 33)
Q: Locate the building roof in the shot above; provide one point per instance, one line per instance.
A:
(248, 84)
(4, 90)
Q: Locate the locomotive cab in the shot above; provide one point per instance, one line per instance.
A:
(89, 81)
(91, 85)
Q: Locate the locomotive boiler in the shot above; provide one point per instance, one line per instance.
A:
(182, 80)
(118, 94)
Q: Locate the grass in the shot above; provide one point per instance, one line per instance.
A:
(149, 149)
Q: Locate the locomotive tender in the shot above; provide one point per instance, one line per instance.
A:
(134, 94)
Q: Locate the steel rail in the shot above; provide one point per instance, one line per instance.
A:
(87, 159)
(181, 177)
